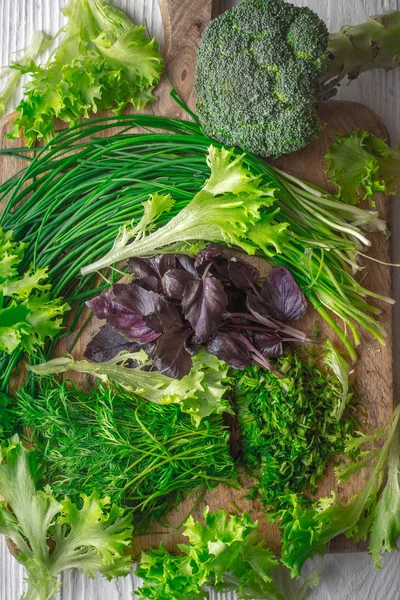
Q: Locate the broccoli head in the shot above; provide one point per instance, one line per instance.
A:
(257, 76)
(263, 66)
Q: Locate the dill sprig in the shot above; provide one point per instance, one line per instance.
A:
(288, 425)
(143, 455)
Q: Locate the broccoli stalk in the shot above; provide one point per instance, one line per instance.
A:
(359, 48)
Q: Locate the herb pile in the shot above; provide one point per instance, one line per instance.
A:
(143, 455)
(106, 181)
(176, 304)
(289, 427)
(190, 334)
(53, 535)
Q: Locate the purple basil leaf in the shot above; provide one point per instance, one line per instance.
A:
(137, 299)
(174, 283)
(151, 284)
(283, 297)
(166, 263)
(242, 274)
(207, 255)
(171, 316)
(187, 263)
(127, 322)
(259, 310)
(107, 344)
(102, 306)
(203, 304)
(173, 359)
(231, 349)
(142, 268)
(269, 344)
(236, 300)
(220, 269)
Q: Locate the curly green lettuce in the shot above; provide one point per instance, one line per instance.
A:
(362, 165)
(40, 41)
(224, 553)
(28, 314)
(51, 536)
(307, 530)
(104, 62)
(233, 206)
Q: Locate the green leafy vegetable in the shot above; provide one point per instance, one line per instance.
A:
(362, 165)
(40, 41)
(225, 554)
(289, 427)
(224, 210)
(28, 314)
(104, 62)
(144, 456)
(52, 536)
(200, 393)
(307, 531)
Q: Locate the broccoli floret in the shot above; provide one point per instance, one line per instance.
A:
(257, 76)
(263, 66)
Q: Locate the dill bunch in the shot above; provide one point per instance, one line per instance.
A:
(143, 455)
(288, 426)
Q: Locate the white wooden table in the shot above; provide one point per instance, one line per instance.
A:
(345, 576)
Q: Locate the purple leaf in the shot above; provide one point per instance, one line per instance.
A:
(167, 262)
(258, 309)
(187, 263)
(236, 300)
(203, 304)
(107, 344)
(242, 274)
(283, 297)
(207, 255)
(173, 359)
(174, 283)
(230, 348)
(151, 284)
(136, 299)
(142, 268)
(122, 318)
(269, 344)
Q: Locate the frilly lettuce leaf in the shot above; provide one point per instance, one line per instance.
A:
(307, 530)
(199, 394)
(362, 165)
(227, 209)
(40, 41)
(11, 254)
(28, 314)
(224, 553)
(104, 62)
(90, 538)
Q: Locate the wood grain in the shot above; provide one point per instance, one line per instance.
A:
(379, 91)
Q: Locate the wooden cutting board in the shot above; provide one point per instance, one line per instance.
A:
(184, 23)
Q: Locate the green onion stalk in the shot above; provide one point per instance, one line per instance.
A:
(75, 193)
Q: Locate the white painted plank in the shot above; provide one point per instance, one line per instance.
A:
(346, 577)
